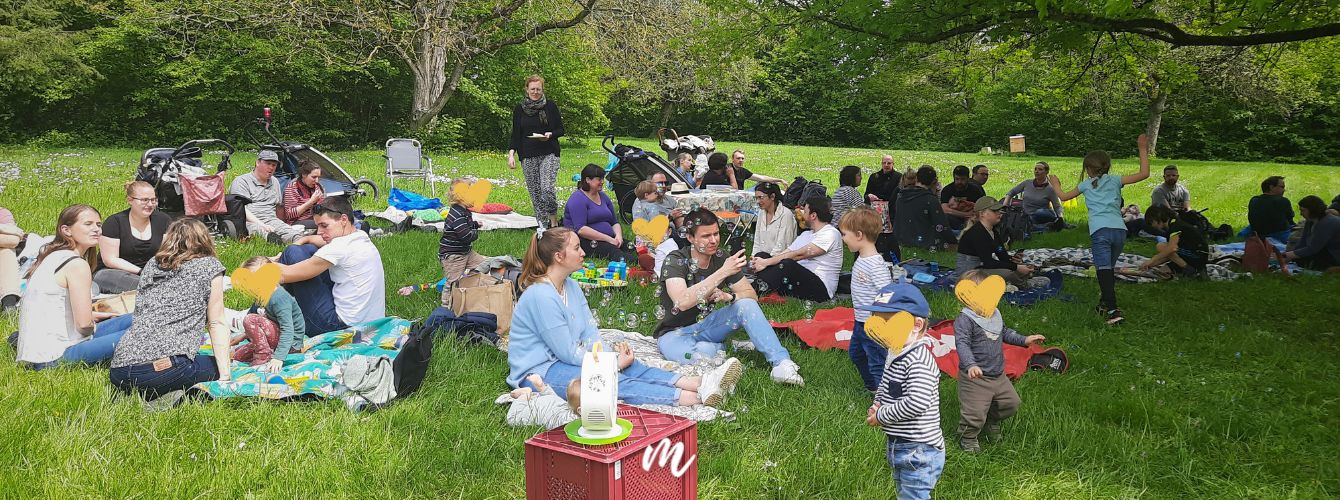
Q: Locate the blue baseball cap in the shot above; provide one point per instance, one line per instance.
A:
(900, 296)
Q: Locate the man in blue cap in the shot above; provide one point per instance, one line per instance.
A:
(907, 402)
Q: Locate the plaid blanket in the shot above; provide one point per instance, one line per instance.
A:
(648, 352)
(314, 372)
(1079, 262)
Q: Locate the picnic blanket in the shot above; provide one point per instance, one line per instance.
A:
(487, 222)
(314, 372)
(646, 350)
(1079, 262)
(945, 279)
(830, 328)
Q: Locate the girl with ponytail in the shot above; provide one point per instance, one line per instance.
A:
(1107, 230)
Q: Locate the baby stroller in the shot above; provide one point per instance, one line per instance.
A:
(335, 181)
(183, 188)
(634, 166)
(692, 144)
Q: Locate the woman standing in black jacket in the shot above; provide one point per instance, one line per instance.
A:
(536, 127)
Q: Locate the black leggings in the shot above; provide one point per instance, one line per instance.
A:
(790, 279)
(606, 250)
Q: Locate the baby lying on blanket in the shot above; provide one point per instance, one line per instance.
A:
(541, 407)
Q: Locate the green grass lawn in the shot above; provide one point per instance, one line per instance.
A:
(1210, 389)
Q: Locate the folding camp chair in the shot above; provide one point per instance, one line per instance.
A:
(405, 158)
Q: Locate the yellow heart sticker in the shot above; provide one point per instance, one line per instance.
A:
(472, 194)
(890, 330)
(652, 230)
(258, 284)
(981, 298)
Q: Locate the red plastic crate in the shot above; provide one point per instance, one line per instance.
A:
(559, 469)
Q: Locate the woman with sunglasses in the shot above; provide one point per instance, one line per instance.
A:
(129, 239)
(981, 247)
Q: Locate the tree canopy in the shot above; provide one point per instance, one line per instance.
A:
(1235, 80)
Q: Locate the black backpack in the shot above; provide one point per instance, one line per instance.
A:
(411, 364)
(802, 190)
(1014, 223)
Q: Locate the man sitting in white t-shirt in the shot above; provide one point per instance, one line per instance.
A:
(809, 268)
(342, 283)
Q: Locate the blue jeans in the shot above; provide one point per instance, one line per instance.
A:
(705, 337)
(97, 349)
(867, 355)
(916, 467)
(1043, 216)
(314, 296)
(1107, 245)
(639, 384)
(183, 373)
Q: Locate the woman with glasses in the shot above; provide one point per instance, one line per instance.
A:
(129, 239)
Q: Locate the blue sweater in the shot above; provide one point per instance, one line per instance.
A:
(545, 331)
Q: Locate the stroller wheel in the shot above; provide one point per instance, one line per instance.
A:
(228, 229)
(365, 187)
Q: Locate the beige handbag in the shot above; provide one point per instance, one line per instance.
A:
(478, 292)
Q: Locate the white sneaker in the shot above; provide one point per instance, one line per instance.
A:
(787, 372)
(742, 345)
(720, 381)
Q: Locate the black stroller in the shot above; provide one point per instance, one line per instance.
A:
(335, 181)
(176, 173)
(634, 166)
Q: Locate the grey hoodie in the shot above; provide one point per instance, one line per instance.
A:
(979, 342)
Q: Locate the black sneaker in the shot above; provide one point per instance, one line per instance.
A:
(275, 238)
(1114, 316)
(9, 302)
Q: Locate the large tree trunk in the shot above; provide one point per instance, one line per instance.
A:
(433, 87)
(667, 112)
(1157, 105)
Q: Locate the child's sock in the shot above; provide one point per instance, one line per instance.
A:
(1107, 282)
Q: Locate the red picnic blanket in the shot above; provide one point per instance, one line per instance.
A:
(832, 328)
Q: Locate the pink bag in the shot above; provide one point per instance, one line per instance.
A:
(203, 195)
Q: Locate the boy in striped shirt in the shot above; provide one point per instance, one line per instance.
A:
(860, 227)
(907, 402)
(456, 247)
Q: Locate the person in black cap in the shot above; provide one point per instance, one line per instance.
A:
(262, 188)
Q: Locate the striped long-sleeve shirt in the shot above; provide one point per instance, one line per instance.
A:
(295, 194)
(909, 396)
(459, 232)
